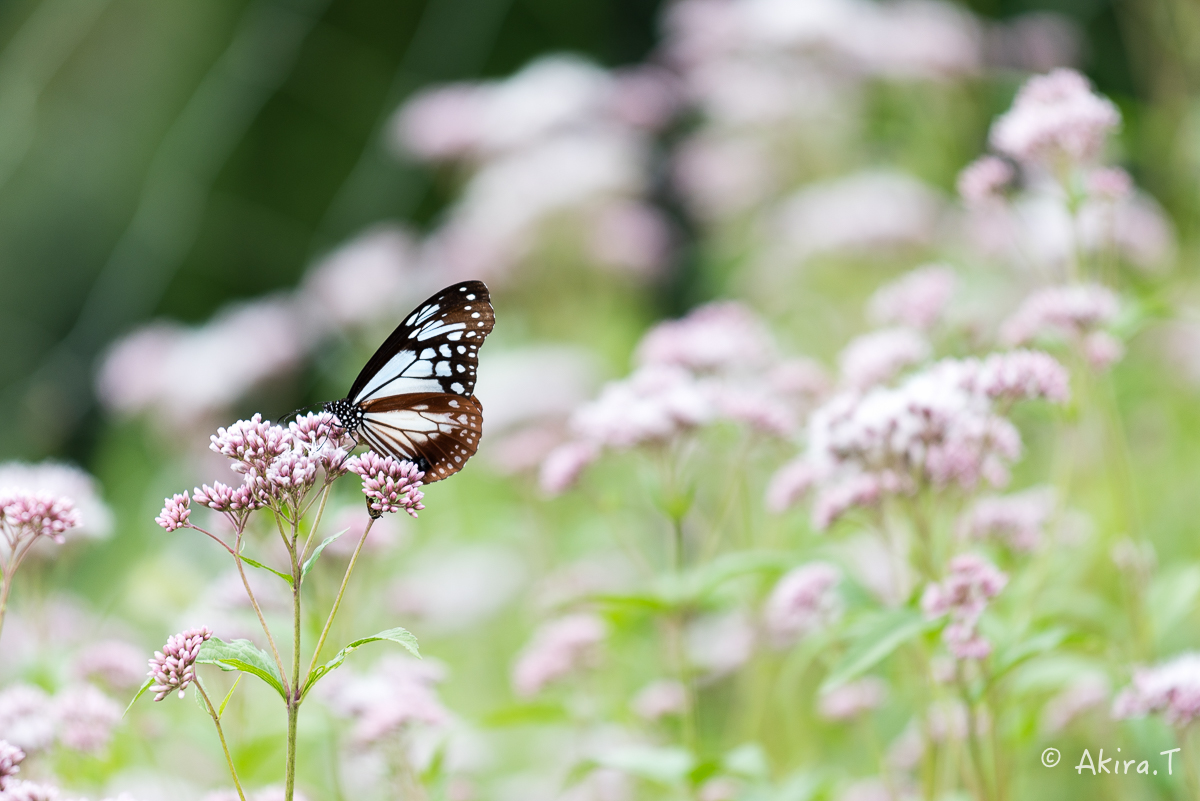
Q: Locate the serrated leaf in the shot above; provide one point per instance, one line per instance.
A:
(228, 695)
(245, 656)
(312, 560)
(886, 633)
(397, 635)
(261, 566)
(146, 685)
(662, 765)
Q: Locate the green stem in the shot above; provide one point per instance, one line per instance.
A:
(212, 711)
(294, 699)
(237, 558)
(336, 603)
(973, 747)
(7, 582)
(316, 523)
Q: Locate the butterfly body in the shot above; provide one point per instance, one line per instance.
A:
(414, 399)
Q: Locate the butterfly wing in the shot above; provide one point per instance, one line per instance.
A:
(438, 430)
(435, 349)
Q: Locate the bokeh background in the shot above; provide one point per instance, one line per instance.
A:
(194, 168)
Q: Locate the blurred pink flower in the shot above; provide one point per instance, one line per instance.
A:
(1171, 687)
(1109, 183)
(174, 667)
(1063, 311)
(1020, 375)
(655, 403)
(25, 516)
(1084, 692)
(442, 124)
(1018, 520)
(562, 467)
(383, 258)
(722, 177)
(720, 643)
(1055, 119)
(725, 336)
(861, 490)
(182, 375)
(86, 718)
(11, 758)
(984, 180)
(630, 236)
(789, 484)
(1134, 225)
(916, 300)
(27, 717)
(117, 664)
(396, 693)
(878, 357)
(390, 485)
(558, 648)
(1036, 41)
(66, 481)
(804, 601)
(660, 698)
(645, 96)
(18, 790)
(721, 788)
(972, 581)
(1102, 350)
(860, 212)
(852, 699)
(175, 512)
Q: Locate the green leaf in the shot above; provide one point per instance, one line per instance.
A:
(527, 714)
(662, 765)
(886, 633)
(312, 560)
(245, 656)
(396, 635)
(228, 695)
(1025, 650)
(261, 566)
(1172, 596)
(146, 685)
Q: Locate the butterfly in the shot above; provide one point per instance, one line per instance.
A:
(413, 400)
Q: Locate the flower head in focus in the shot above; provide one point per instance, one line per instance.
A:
(25, 516)
(972, 581)
(175, 512)
(391, 485)
(174, 667)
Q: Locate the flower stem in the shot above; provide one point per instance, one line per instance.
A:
(293, 703)
(5, 584)
(212, 711)
(336, 603)
(237, 558)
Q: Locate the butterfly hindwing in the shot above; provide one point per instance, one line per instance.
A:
(435, 349)
(442, 430)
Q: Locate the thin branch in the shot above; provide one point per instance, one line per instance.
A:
(336, 603)
(212, 710)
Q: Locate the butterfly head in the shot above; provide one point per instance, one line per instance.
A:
(347, 413)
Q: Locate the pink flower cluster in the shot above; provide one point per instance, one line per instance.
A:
(1018, 520)
(804, 601)
(11, 758)
(174, 667)
(391, 485)
(398, 692)
(660, 698)
(279, 466)
(880, 356)
(26, 515)
(963, 595)
(717, 363)
(1172, 688)
(916, 300)
(938, 427)
(1077, 313)
(852, 699)
(1055, 119)
(557, 649)
(79, 717)
(983, 181)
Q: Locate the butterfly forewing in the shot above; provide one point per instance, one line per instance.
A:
(414, 399)
(435, 349)
(440, 429)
